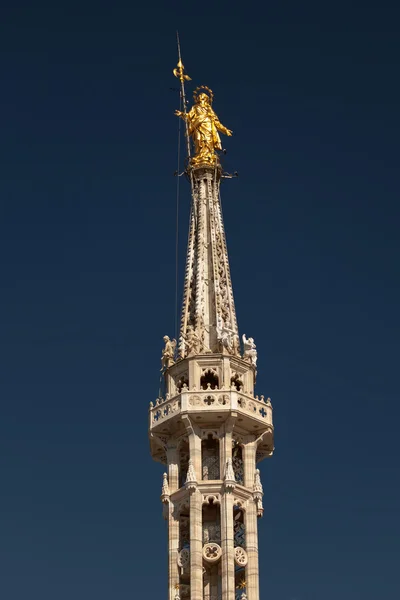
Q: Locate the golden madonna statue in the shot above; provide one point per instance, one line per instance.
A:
(203, 126)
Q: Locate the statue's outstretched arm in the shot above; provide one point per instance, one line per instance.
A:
(221, 127)
(181, 114)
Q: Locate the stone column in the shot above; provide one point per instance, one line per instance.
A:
(196, 526)
(227, 545)
(173, 548)
(252, 551)
(249, 461)
(227, 540)
(173, 467)
(249, 464)
(173, 521)
(196, 546)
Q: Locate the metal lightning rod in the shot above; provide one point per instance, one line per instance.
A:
(179, 73)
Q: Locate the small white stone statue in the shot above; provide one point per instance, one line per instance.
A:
(181, 348)
(224, 334)
(193, 342)
(258, 493)
(250, 352)
(167, 357)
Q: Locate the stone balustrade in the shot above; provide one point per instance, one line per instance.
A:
(219, 400)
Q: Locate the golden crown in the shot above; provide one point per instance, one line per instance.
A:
(207, 89)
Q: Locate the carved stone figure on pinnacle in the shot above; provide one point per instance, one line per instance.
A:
(167, 357)
(250, 352)
(203, 126)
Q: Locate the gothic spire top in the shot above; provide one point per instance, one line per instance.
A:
(208, 322)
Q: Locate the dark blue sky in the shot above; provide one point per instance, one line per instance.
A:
(87, 234)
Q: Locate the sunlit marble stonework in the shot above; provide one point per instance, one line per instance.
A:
(209, 428)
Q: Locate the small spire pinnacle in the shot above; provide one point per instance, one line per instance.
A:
(257, 483)
(165, 493)
(191, 481)
(230, 481)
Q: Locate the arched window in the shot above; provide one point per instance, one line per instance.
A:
(237, 382)
(209, 378)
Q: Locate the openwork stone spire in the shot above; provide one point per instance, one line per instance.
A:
(208, 321)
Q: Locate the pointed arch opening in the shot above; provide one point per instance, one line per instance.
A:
(209, 380)
(210, 458)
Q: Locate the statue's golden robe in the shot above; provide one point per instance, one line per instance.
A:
(203, 126)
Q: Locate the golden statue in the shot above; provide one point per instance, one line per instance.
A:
(203, 126)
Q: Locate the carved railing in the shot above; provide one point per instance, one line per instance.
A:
(211, 400)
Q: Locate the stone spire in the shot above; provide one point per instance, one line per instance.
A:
(209, 429)
(208, 321)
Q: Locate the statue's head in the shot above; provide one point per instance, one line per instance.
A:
(166, 338)
(203, 99)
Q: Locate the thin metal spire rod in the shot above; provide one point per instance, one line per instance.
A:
(183, 95)
(179, 72)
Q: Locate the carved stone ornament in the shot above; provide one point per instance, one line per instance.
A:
(195, 401)
(191, 481)
(257, 483)
(212, 552)
(183, 558)
(165, 493)
(259, 505)
(240, 556)
(258, 493)
(229, 476)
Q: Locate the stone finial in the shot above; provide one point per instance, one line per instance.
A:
(258, 493)
(229, 475)
(260, 508)
(191, 481)
(165, 493)
(257, 488)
